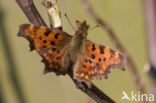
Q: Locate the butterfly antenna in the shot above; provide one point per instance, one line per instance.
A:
(69, 21)
(93, 27)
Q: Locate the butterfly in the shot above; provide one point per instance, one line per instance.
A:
(59, 49)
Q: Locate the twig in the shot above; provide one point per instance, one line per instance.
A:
(31, 12)
(115, 41)
(53, 13)
(11, 69)
(93, 92)
(150, 14)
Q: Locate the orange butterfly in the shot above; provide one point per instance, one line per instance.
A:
(59, 50)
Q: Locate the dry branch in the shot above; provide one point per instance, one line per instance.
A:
(31, 12)
(150, 14)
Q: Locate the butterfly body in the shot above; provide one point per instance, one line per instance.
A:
(59, 50)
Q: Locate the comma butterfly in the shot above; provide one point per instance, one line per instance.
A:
(58, 49)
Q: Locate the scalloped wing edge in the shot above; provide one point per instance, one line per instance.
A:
(21, 33)
(105, 76)
(113, 66)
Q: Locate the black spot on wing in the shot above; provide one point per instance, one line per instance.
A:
(48, 31)
(44, 41)
(40, 38)
(58, 51)
(101, 49)
(90, 61)
(58, 58)
(92, 56)
(43, 47)
(53, 49)
(93, 47)
(56, 35)
(99, 59)
(104, 59)
(84, 66)
(52, 42)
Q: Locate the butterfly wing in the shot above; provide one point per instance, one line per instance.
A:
(101, 60)
(85, 69)
(50, 43)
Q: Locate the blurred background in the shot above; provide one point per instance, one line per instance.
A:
(126, 17)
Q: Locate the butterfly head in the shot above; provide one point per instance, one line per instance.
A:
(81, 29)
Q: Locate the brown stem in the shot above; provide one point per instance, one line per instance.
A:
(150, 14)
(32, 14)
(117, 43)
(94, 92)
